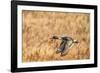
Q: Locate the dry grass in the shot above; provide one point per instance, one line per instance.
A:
(38, 27)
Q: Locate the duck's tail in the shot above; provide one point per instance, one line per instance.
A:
(75, 41)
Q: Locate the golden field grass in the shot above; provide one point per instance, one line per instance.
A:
(39, 26)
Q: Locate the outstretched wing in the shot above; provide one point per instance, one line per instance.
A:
(61, 47)
(67, 48)
(65, 51)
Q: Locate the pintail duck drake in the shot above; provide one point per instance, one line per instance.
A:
(66, 43)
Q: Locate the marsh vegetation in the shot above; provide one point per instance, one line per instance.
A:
(39, 26)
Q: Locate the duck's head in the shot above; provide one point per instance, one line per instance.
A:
(60, 38)
(54, 37)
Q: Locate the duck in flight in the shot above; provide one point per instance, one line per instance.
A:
(66, 43)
